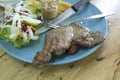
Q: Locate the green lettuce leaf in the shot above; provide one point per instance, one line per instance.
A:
(5, 33)
(17, 42)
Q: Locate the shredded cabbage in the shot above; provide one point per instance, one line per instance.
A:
(12, 30)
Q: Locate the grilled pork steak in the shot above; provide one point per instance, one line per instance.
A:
(84, 37)
(62, 39)
(57, 41)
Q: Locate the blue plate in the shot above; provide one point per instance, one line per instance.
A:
(28, 52)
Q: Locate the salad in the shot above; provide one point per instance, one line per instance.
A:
(19, 24)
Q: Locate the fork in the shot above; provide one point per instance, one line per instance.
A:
(81, 19)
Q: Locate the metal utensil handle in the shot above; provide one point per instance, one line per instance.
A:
(94, 17)
(78, 4)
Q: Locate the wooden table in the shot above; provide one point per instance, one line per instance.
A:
(103, 64)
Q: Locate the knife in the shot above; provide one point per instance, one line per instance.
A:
(69, 12)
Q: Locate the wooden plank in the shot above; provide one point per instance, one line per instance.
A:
(2, 53)
(12, 69)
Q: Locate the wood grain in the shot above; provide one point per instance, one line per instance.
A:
(1, 9)
(103, 64)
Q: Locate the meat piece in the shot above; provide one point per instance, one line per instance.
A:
(79, 31)
(57, 42)
(62, 39)
(73, 48)
(91, 40)
(41, 58)
(84, 37)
